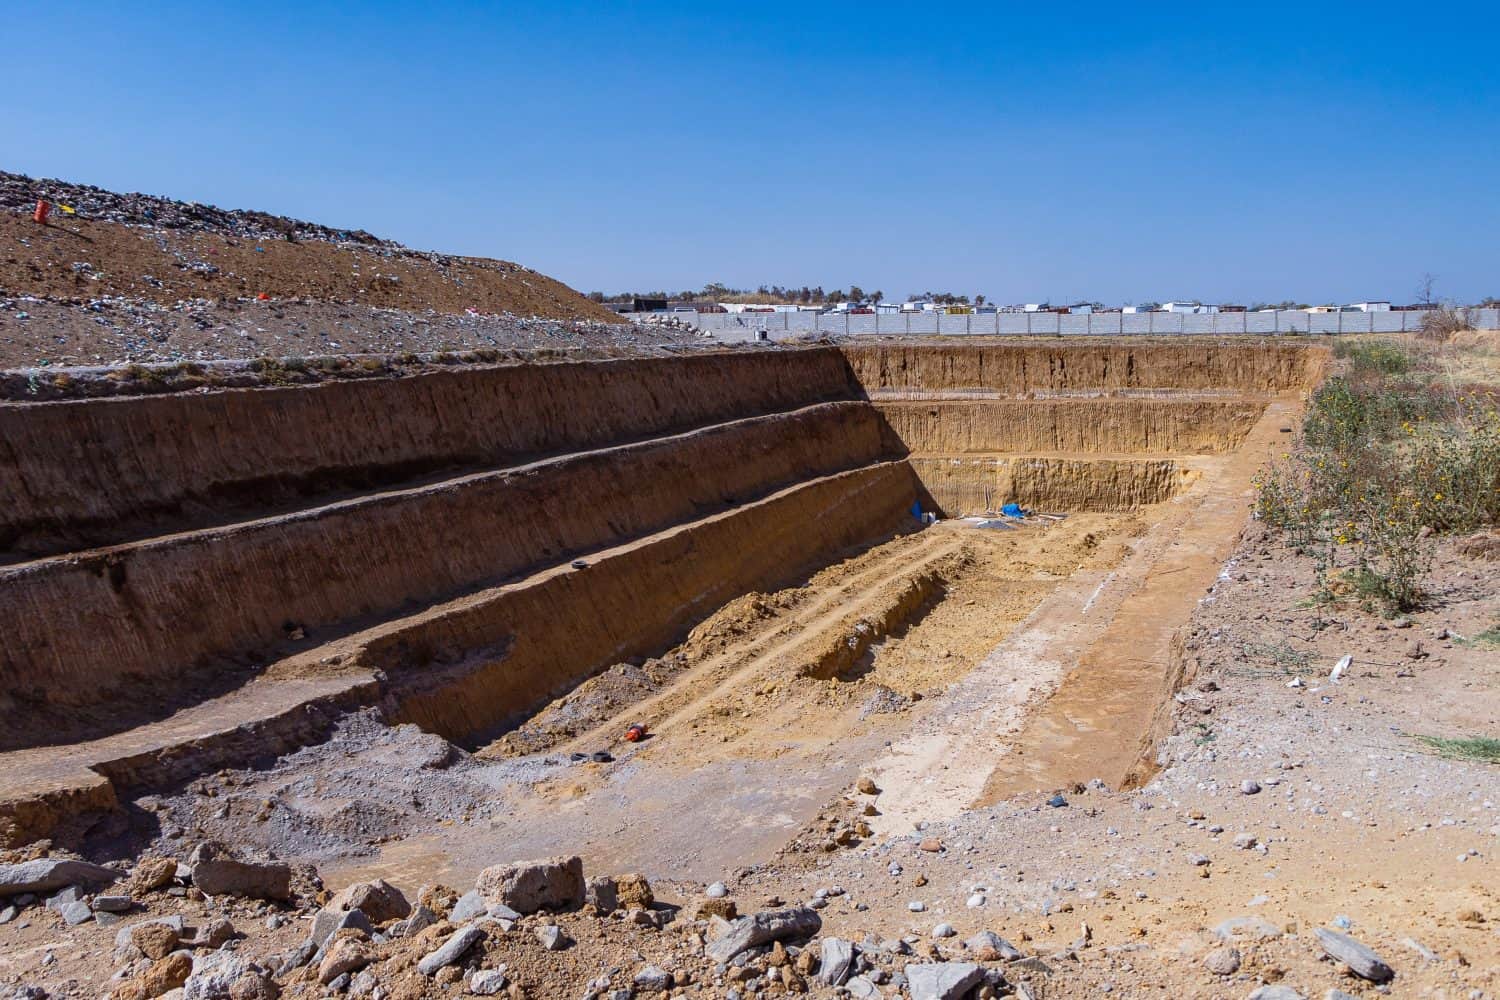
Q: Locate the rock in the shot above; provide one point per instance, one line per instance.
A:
(113, 904)
(942, 980)
(602, 894)
(437, 898)
(931, 845)
(724, 909)
(450, 951)
(763, 928)
(867, 786)
(421, 918)
(7, 914)
(1222, 961)
(553, 884)
(1253, 928)
(552, 937)
(164, 975)
(836, 958)
(1057, 802)
(1249, 787)
(46, 874)
(944, 930)
(347, 955)
(470, 905)
(214, 933)
(224, 876)
(152, 873)
(916, 906)
(139, 935)
(634, 892)
(976, 900)
(862, 989)
(76, 913)
(378, 900)
(653, 979)
(486, 982)
(1275, 993)
(1338, 995)
(716, 891)
(1359, 957)
(1244, 841)
(328, 922)
(224, 975)
(988, 946)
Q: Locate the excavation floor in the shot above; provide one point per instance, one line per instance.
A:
(766, 711)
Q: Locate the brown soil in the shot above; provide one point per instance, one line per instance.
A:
(89, 259)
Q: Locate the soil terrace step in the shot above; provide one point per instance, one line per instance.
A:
(58, 791)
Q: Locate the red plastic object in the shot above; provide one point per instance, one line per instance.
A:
(263, 297)
(636, 733)
(42, 208)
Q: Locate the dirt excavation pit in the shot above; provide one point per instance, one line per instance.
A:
(421, 655)
(746, 564)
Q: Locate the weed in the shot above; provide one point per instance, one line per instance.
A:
(1488, 639)
(1483, 749)
(1281, 653)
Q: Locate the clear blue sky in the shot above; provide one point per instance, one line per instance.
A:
(1032, 151)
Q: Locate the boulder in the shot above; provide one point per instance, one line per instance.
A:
(347, 955)
(155, 940)
(653, 979)
(1223, 961)
(213, 933)
(378, 900)
(43, 875)
(943, 980)
(328, 922)
(165, 975)
(113, 904)
(549, 884)
(470, 905)
(450, 951)
(1359, 957)
(763, 928)
(224, 975)
(835, 960)
(486, 982)
(634, 892)
(603, 894)
(152, 873)
(988, 946)
(223, 876)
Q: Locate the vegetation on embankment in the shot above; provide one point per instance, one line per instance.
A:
(1395, 448)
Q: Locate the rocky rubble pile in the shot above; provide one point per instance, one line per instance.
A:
(19, 193)
(612, 938)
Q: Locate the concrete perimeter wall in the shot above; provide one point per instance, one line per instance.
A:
(745, 326)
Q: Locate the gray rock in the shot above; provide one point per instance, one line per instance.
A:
(552, 937)
(943, 931)
(486, 982)
(862, 989)
(421, 918)
(113, 904)
(1359, 957)
(76, 913)
(988, 946)
(763, 928)
(1275, 993)
(1253, 928)
(220, 975)
(1338, 995)
(328, 922)
(602, 893)
(1222, 961)
(378, 900)
(653, 979)
(450, 951)
(835, 960)
(7, 914)
(470, 905)
(47, 874)
(1249, 787)
(222, 876)
(550, 884)
(716, 891)
(67, 897)
(943, 980)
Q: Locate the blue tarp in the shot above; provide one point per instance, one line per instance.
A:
(1012, 510)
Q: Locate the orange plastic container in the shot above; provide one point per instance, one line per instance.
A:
(42, 208)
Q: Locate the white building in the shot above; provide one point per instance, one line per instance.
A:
(1368, 307)
(1188, 307)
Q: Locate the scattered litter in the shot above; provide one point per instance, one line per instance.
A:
(579, 564)
(1340, 667)
(636, 732)
(1296, 682)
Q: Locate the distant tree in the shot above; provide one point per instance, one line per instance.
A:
(877, 295)
(596, 297)
(856, 294)
(979, 299)
(1424, 288)
(835, 296)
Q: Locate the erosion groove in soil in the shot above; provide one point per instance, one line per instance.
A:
(472, 551)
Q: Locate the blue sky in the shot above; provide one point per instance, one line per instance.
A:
(1099, 151)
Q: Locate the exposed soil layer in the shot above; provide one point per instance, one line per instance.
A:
(222, 257)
